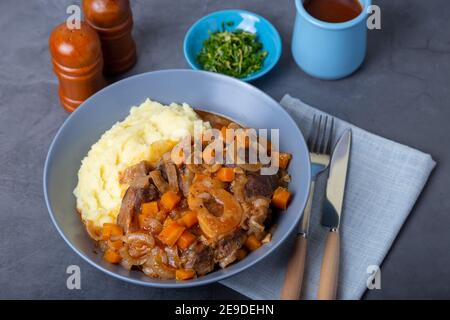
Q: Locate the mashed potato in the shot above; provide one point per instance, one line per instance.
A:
(147, 133)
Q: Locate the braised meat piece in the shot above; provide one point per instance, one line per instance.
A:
(161, 166)
(129, 210)
(185, 181)
(159, 181)
(200, 258)
(259, 185)
(131, 173)
(227, 248)
(172, 176)
(140, 191)
(151, 193)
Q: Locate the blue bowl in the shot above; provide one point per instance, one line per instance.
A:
(204, 90)
(244, 20)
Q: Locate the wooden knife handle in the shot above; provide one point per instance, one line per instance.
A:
(294, 272)
(330, 268)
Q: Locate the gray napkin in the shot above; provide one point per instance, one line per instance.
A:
(384, 180)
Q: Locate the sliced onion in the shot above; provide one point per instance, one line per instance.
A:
(195, 168)
(214, 168)
(238, 170)
(103, 245)
(259, 212)
(250, 167)
(155, 267)
(286, 178)
(137, 248)
(128, 261)
(234, 125)
(139, 244)
(152, 225)
(238, 187)
(228, 259)
(173, 258)
(261, 202)
(93, 231)
(267, 238)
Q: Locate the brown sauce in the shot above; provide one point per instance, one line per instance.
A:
(216, 121)
(333, 11)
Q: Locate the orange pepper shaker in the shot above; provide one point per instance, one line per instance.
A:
(78, 63)
(113, 21)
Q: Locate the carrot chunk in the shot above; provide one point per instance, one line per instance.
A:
(167, 221)
(112, 257)
(184, 274)
(185, 240)
(170, 199)
(115, 245)
(189, 219)
(141, 219)
(284, 159)
(111, 230)
(150, 208)
(225, 174)
(281, 197)
(171, 233)
(252, 243)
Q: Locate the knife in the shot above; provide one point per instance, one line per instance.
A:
(332, 209)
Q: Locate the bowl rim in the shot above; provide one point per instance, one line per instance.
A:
(181, 284)
(252, 76)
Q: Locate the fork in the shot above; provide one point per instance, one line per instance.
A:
(319, 145)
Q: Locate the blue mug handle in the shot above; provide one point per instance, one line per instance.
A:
(329, 51)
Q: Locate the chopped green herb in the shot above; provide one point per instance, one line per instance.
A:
(237, 53)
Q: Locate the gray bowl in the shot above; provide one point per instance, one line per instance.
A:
(204, 90)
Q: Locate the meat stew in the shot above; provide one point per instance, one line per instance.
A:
(180, 220)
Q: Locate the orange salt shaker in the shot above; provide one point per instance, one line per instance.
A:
(78, 63)
(113, 21)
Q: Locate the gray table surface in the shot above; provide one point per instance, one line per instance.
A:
(401, 92)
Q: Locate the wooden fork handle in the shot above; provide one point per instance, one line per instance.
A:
(330, 268)
(295, 269)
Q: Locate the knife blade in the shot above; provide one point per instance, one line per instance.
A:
(334, 196)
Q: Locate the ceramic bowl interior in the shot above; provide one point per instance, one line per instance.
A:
(204, 90)
(231, 20)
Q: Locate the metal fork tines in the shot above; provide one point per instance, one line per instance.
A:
(319, 145)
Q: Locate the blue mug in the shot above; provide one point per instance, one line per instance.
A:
(326, 50)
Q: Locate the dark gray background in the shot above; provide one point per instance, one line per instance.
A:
(401, 92)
